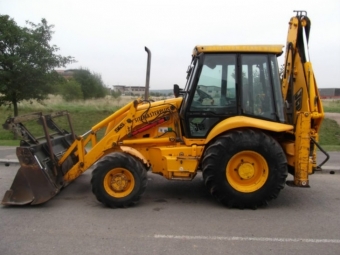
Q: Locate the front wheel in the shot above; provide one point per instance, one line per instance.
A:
(119, 180)
(244, 169)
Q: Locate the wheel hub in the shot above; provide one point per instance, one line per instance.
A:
(246, 171)
(119, 182)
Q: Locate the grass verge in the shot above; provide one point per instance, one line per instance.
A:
(9, 143)
(85, 114)
(331, 105)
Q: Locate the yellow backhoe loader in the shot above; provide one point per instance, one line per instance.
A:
(234, 120)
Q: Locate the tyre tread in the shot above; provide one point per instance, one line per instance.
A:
(228, 144)
(103, 165)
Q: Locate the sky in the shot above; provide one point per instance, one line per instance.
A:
(108, 36)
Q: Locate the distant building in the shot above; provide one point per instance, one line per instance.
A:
(130, 90)
(210, 89)
(329, 93)
(215, 91)
(67, 74)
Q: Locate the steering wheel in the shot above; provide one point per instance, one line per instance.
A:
(204, 95)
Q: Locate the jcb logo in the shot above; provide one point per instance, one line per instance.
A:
(121, 125)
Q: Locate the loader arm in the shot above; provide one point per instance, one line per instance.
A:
(304, 107)
(122, 125)
(98, 149)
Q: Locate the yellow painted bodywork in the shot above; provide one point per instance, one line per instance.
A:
(276, 49)
(152, 131)
(169, 154)
(242, 122)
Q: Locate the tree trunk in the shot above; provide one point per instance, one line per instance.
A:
(15, 107)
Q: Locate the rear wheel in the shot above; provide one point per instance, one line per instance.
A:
(244, 168)
(119, 180)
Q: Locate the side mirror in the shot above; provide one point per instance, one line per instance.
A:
(176, 90)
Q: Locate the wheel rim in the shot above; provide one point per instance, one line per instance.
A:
(119, 182)
(247, 171)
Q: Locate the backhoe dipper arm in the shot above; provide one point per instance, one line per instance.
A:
(304, 108)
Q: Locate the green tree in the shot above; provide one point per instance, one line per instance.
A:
(116, 94)
(27, 61)
(70, 90)
(91, 83)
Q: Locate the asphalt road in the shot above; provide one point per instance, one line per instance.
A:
(173, 218)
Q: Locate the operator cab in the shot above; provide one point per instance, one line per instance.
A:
(221, 85)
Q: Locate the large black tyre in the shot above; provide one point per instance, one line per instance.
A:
(119, 180)
(244, 168)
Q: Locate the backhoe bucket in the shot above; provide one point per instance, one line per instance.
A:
(39, 178)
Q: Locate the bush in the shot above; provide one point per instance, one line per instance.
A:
(68, 89)
(71, 90)
(92, 85)
(116, 94)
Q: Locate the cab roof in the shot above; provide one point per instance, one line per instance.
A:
(276, 49)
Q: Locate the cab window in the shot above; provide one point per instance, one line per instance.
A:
(215, 93)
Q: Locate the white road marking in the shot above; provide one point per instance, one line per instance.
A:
(257, 239)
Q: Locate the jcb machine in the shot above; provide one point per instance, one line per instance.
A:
(234, 120)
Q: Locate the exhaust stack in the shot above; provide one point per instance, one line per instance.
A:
(148, 66)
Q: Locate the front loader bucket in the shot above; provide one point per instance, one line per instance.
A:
(31, 185)
(40, 177)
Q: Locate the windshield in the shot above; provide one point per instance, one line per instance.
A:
(216, 83)
(214, 96)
